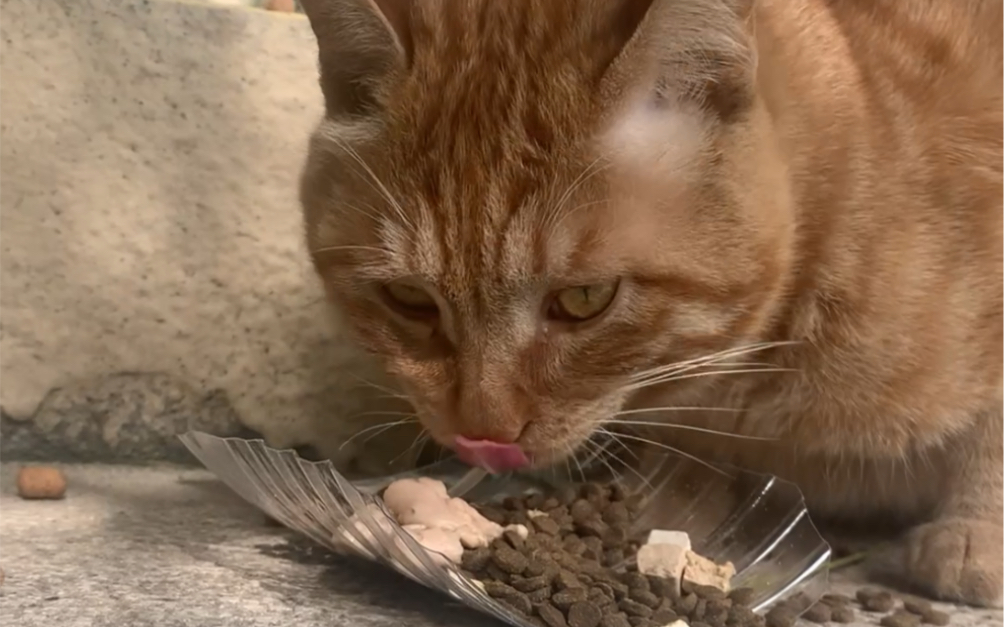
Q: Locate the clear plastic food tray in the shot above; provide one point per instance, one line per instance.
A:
(757, 522)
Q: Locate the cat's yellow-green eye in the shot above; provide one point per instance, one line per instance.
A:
(410, 299)
(582, 302)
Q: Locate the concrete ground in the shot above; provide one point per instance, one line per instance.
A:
(170, 547)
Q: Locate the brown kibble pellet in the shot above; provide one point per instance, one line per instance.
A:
(515, 540)
(743, 596)
(698, 623)
(545, 524)
(741, 616)
(640, 621)
(716, 613)
(900, 618)
(529, 584)
(781, 616)
(842, 614)
(917, 606)
(591, 527)
(476, 560)
(936, 617)
(518, 602)
(665, 587)
(616, 514)
(664, 616)
(582, 510)
(41, 482)
(509, 560)
(584, 614)
(551, 615)
(879, 602)
(863, 594)
(645, 597)
(837, 599)
(686, 604)
(819, 613)
(615, 620)
(634, 608)
(564, 580)
(539, 596)
(699, 609)
(569, 597)
(635, 581)
(710, 593)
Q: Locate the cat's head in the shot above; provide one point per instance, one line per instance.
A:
(521, 205)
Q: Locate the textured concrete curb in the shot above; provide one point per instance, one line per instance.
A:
(150, 153)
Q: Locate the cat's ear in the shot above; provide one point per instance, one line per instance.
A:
(360, 43)
(700, 51)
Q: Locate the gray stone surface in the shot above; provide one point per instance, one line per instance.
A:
(171, 547)
(132, 417)
(149, 152)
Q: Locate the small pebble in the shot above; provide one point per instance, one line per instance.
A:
(41, 483)
(900, 618)
(551, 615)
(820, 613)
(584, 614)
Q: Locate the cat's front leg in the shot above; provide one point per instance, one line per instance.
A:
(958, 555)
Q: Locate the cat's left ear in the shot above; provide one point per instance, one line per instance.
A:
(360, 43)
(700, 51)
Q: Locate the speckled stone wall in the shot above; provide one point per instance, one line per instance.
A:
(152, 273)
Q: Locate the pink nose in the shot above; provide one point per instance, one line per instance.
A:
(492, 456)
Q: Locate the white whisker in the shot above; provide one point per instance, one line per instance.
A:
(384, 426)
(676, 451)
(673, 425)
(709, 373)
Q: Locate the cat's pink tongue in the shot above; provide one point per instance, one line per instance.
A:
(494, 457)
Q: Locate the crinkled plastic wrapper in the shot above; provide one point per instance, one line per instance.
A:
(757, 522)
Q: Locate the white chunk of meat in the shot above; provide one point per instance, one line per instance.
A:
(438, 522)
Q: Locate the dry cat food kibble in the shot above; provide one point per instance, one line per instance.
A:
(575, 567)
(41, 482)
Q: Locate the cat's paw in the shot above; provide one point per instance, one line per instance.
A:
(957, 559)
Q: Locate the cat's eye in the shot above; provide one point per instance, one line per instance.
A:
(410, 299)
(582, 302)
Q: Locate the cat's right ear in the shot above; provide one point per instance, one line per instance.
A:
(360, 44)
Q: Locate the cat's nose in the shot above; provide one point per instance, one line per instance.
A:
(493, 456)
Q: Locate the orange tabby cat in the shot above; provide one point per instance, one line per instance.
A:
(542, 214)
